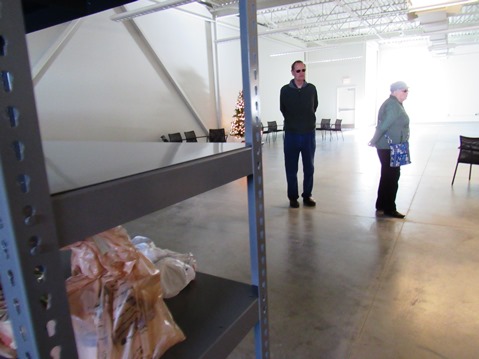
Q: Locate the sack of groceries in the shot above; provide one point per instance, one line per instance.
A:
(116, 300)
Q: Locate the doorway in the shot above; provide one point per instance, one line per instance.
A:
(346, 105)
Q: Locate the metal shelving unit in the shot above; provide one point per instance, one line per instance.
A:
(39, 213)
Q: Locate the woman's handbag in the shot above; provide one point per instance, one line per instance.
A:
(399, 153)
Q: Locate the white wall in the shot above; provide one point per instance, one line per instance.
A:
(103, 82)
(274, 72)
(370, 89)
(462, 85)
(328, 68)
(442, 88)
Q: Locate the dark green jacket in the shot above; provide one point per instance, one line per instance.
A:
(298, 106)
(393, 120)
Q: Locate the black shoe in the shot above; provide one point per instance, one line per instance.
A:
(309, 202)
(394, 214)
(293, 203)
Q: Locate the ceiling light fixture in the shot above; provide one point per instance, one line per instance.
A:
(164, 5)
(433, 5)
(334, 60)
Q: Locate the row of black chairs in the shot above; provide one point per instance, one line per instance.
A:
(214, 135)
(272, 129)
(326, 126)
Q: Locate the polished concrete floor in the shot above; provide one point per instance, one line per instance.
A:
(342, 282)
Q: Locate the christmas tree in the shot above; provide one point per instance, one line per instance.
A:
(237, 126)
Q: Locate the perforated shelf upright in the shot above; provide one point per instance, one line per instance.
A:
(37, 217)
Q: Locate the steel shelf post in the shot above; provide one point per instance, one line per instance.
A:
(30, 263)
(250, 71)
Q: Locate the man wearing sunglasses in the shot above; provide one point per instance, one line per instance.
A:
(298, 104)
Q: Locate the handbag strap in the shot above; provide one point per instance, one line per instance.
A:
(390, 141)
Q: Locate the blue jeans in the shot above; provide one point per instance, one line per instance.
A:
(294, 145)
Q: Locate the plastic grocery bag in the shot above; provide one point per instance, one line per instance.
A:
(176, 269)
(7, 342)
(116, 302)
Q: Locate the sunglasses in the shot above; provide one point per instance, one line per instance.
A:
(298, 71)
(405, 91)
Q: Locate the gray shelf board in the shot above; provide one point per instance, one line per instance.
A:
(215, 314)
(75, 164)
(118, 183)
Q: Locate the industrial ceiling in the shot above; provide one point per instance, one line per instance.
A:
(315, 23)
(332, 22)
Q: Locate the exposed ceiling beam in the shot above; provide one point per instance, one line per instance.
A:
(232, 9)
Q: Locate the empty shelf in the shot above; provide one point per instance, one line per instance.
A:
(86, 178)
(215, 314)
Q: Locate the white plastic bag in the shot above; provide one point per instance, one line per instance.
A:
(176, 269)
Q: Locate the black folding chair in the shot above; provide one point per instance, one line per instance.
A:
(468, 153)
(175, 137)
(217, 135)
(190, 136)
(325, 125)
(337, 128)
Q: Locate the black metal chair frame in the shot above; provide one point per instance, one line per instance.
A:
(468, 153)
(272, 129)
(264, 130)
(325, 125)
(337, 128)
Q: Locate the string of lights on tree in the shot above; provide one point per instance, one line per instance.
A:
(237, 125)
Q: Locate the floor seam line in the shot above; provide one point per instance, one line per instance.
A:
(382, 274)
